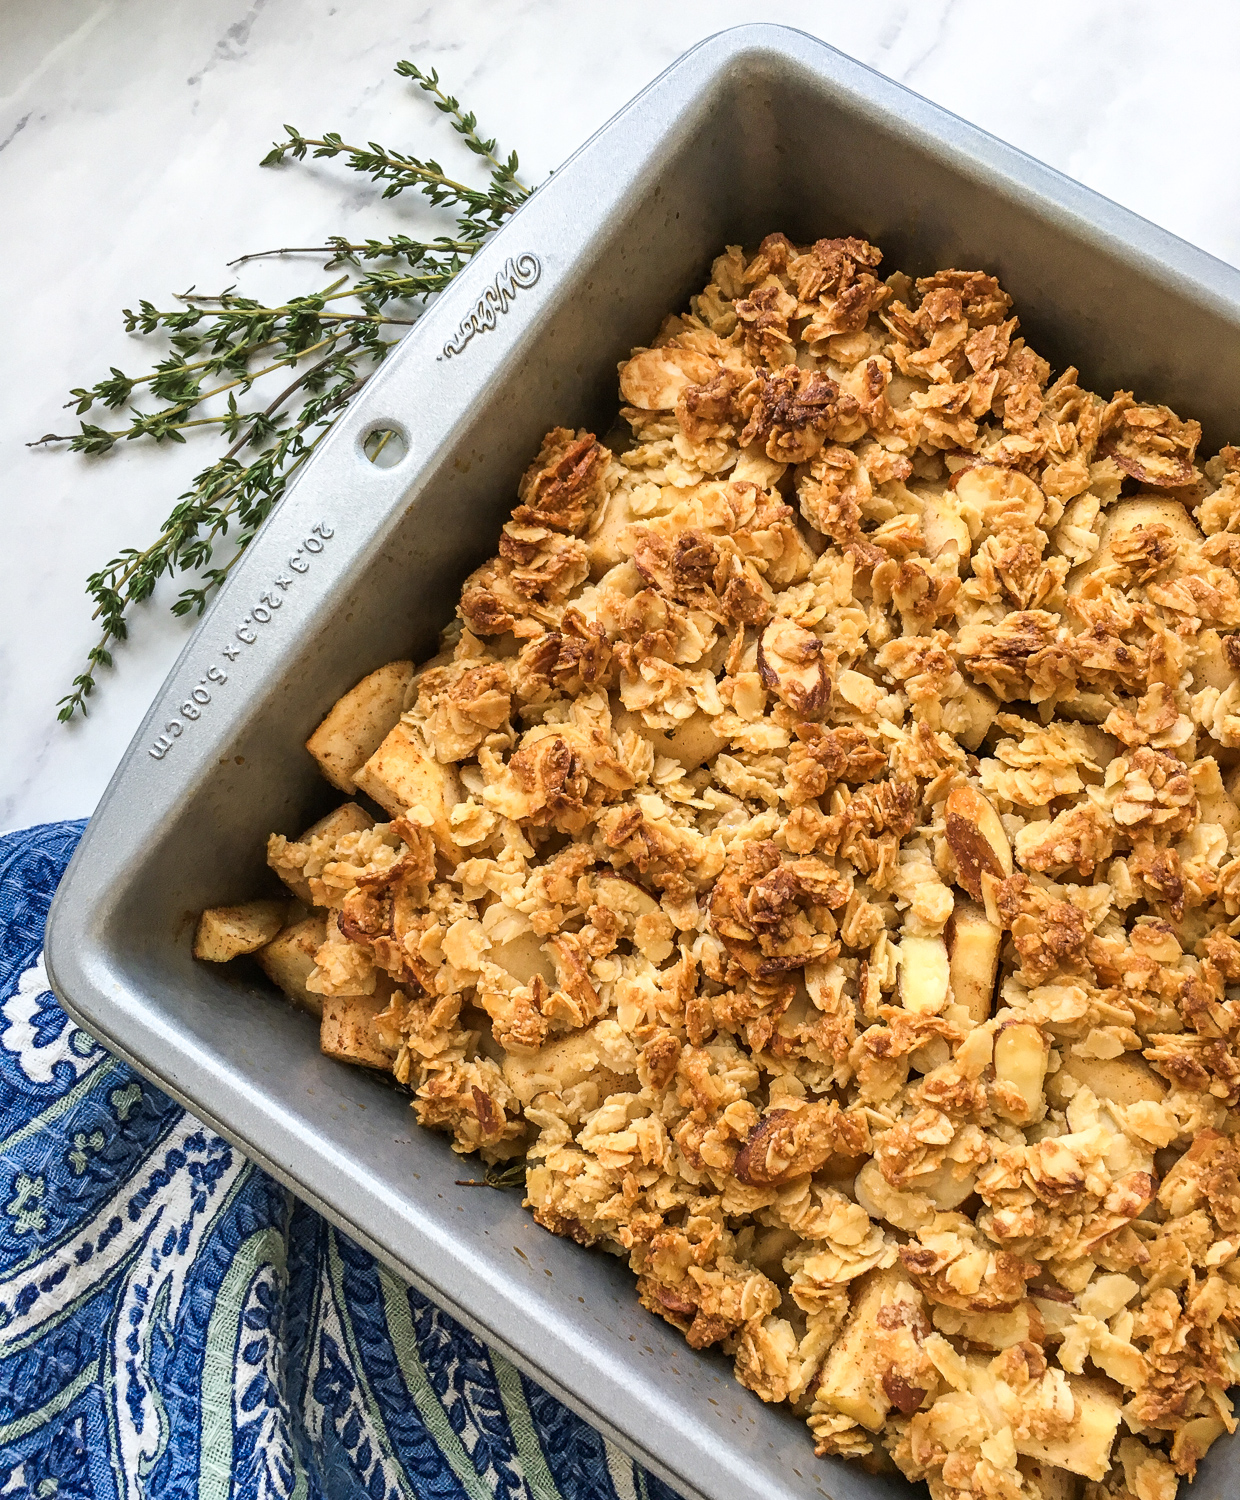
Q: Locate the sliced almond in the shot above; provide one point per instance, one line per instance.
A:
(1021, 1055)
(791, 664)
(924, 975)
(970, 716)
(973, 942)
(654, 378)
(976, 1053)
(977, 839)
(942, 527)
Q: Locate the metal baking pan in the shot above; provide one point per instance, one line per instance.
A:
(756, 129)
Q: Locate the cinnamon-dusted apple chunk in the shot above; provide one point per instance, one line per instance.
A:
(402, 774)
(357, 724)
(288, 960)
(349, 1031)
(226, 932)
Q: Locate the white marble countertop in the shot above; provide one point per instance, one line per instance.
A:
(130, 132)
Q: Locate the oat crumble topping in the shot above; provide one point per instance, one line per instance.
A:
(815, 849)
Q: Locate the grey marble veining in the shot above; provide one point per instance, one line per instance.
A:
(130, 132)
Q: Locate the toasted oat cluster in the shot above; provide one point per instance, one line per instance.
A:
(812, 850)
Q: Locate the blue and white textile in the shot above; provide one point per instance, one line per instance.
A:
(173, 1323)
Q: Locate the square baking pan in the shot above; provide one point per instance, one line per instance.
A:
(756, 129)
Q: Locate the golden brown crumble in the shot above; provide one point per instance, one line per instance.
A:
(815, 849)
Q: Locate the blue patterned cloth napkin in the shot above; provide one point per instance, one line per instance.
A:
(173, 1322)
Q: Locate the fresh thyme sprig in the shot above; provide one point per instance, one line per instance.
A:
(341, 252)
(466, 126)
(482, 211)
(224, 345)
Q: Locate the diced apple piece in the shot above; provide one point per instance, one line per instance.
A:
(989, 496)
(924, 974)
(359, 722)
(1210, 665)
(1084, 706)
(347, 818)
(947, 1186)
(695, 741)
(561, 1065)
(692, 743)
(943, 527)
(226, 932)
(289, 958)
(970, 716)
(973, 943)
(1220, 811)
(1021, 1054)
(1215, 805)
(1150, 510)
(992, 1330)
(908, 1211)
(653, 379)
(1043, 1481)
(605, 539)
(1086, 1449)
(1125, 517)
(852, 1377)
(769, 1248)
(402, 773)
(1193, 1441)
(1125, 1080)
(523, 957)
(1103, 747)
(347, 1030)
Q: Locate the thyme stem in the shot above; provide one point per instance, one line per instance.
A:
(334, 146)
(139, 429)
(398, 246)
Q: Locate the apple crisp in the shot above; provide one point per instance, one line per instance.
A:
(814, 850)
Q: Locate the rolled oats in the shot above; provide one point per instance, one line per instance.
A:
(815, 850)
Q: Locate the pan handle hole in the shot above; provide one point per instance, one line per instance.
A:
(385, 445)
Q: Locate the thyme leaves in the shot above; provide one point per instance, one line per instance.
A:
(227, 351)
